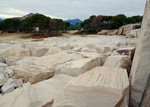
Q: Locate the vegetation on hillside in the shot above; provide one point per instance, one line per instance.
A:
(37, 23)
(95, 24)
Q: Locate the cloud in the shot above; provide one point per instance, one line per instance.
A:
(70, 9)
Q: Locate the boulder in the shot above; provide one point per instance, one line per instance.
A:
(10, 72)
(39, 51)
(140, 71)
(102, 49)
(77, 67)
(89, 54)
(133, 33)
(100, 87)
(127, 51)
(3, 80)
(124, 30)
(53, 50)
(11, 61)
(77, 49)
(85, 49)
(65, 46)
(9, 86)
(26, 61)
(3, 65)
(32, 73)
(41, 94)
(17, 52)
(108, 32)
(53, 60)
(118, 61)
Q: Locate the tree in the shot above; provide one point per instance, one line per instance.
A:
(59, 24)
(37, 20)
(67, 24)
(134, 19)
(10, 25)
(118, 21)
(77, 26)
(96, 22)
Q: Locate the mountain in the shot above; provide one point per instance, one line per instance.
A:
(73, 21)
(2, 19)
(23, 17)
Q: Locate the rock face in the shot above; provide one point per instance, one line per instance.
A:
(37, 95)
(75, 68)
(100, 87)
(32, 73)
(140, 72)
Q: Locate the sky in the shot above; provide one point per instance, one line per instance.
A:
(71, 9)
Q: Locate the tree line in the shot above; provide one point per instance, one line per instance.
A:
(28, 25)
(95, 24)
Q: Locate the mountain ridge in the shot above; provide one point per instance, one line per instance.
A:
(73, 21)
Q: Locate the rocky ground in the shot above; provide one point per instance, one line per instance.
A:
(66, 71)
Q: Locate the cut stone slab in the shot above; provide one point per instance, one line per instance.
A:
(9, 86)
(12, 51)
(140, 71)
(118, 61)
(65, 46)
(3, 65)
(128, 51)
(77, 67)
(26, 61)
(32, 73)
(3, 80)
(85, 49)
(100, 87)
(39, 51)
(11, 61)
(37, 95)
(10, 72)
(101, 49)
(89, 54)
(53, 50)
(77, 49)
(53, 60)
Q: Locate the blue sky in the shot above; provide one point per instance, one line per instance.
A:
(71, 9)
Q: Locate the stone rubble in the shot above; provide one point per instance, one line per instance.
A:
(33, 74)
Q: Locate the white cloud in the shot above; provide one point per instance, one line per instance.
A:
(7, 16)
(69, 9)
(12, 10)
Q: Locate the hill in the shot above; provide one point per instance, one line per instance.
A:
(23, 17)
(73, 21)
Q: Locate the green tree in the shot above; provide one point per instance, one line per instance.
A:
(67, 24)
(37, 20)
(118, 21)
(10, 25)
(59, 25)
